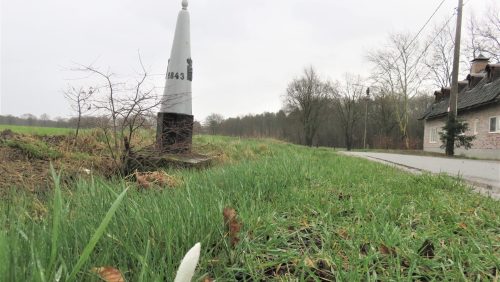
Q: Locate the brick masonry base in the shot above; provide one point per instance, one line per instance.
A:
(174, 133)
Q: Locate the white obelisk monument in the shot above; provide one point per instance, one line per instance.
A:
(175, 120)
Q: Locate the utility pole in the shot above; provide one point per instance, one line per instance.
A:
(452, 115)
(366, 115)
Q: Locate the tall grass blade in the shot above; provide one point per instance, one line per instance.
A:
(97, 235)
(37, 266)
(57, 209)
(144, 262)
(4, 256)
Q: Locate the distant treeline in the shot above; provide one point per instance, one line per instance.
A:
(59, 122)
(31, 120)
(381, 128)
(86, 122)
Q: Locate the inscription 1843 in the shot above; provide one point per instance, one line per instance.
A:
(181, 75)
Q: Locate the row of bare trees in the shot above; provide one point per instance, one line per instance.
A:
(318, 112)
(348, 103)
(382, 130)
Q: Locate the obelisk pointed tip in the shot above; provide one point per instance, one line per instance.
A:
(184, 4)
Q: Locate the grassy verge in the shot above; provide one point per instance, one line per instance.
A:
(34, 149)
(307, 214)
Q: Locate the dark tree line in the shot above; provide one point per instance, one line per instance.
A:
(31, 120)
(382, 128)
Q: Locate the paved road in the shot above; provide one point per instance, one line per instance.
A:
(485, 174)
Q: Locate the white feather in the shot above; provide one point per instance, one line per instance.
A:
(188, 264)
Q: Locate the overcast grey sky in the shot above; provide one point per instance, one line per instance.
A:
(244, 52)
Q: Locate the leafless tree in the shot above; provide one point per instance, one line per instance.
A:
(105, 101)
(382, 117)
(80, 103)
(44, 118)
(439, 61)
(484, 35)
(347, 95)
(136, 109)
(472, 47)
(399, 70)
(125, 107)
(30, 119)
(308, 96)
(213, 122)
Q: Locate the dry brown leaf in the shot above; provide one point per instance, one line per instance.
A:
(309, 263)
(343, 233)
(141, 180)
(304, 223)
(345, 261)
(229, 214)
(147, 179)
(208, 279)
(233, 225)
(109, 274)
(462, 225)
(383, 249)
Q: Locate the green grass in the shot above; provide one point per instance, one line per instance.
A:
(36, 130)
(306, 213)
(34, 149)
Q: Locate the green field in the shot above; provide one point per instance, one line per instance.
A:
(36, 130)
(307, 214)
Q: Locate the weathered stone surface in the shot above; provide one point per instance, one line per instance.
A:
(150, 159)
(174, 133)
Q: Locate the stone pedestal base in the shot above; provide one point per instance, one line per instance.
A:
(174, 133)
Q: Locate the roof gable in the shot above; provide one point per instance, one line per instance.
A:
(483, 93)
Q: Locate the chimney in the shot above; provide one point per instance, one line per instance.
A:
(438, 96)
(474, 79)
(479, 64)
(446, 92)
(461, 85)
(493, 72)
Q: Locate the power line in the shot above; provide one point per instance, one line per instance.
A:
(439, 32)
(419, 32)
(442, 28)
(426, 23)
(433, 39)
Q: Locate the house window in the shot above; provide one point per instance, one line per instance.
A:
(494, 124)
(433, 135)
